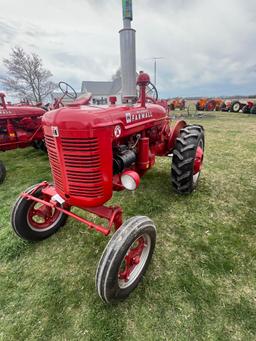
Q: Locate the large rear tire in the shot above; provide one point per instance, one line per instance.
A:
(2, 172)
(32, 221)
(125, 259)
(187, 159)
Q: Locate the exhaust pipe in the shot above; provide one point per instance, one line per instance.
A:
(128, 54)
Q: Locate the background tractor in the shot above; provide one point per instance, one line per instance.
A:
(236, 106)
(246, 109)
(200, 105)
(206, 104)
(253, 110)
(20, 126)
(177, 103)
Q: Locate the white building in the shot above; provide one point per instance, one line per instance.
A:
(101, 91)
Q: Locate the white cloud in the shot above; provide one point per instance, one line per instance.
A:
(208, 46)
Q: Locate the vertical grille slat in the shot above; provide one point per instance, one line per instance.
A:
(54, 161)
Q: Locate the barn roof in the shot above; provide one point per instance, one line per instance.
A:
(102, 88)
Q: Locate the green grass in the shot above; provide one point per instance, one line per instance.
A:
(201, 284)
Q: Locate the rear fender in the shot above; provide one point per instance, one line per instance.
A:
(175, 133)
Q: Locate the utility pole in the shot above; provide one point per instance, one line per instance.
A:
(155, 69)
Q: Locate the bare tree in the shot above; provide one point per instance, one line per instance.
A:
(26, 76)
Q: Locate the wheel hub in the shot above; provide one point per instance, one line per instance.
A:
(41, 217)
(134, 261)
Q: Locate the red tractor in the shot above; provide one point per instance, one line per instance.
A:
(20, 126)
(205, 104)
(94, 151)
(247, 108)
(253, 110)
(236, 106)
(178, 103)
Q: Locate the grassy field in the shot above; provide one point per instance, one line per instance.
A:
(201, 284)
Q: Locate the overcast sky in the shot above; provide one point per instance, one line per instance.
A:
(209, 46)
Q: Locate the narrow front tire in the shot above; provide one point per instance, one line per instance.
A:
(125, 259)
(33, 221)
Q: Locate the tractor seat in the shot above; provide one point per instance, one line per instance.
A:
(84, 99)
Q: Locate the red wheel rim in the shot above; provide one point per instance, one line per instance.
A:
(41, 218)
(198, 160)
(134, 261)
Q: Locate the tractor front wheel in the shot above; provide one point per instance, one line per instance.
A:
(187, 159)
(2, 172)
(34, 221)
(125, 259)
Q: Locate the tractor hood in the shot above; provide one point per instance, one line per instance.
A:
(20, 111)
(90, 117)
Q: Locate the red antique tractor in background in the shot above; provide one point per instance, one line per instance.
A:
(200, 105)
(94, 151)
(205, 104)
(20, 124)
(177, 103)
(236, 106)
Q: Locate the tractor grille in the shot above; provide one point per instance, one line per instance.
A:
(82, 163)
(81, 158)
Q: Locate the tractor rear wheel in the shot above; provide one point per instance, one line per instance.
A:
(187, 159)
(2, 172)
(253, 110)
(235, 106)
(125, 259)
(34, 221)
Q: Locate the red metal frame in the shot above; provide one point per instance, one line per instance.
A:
(112, 214)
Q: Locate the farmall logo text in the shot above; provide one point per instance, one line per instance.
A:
(137, 116)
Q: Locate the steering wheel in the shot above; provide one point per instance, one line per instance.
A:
(67, 90)
(151, 93)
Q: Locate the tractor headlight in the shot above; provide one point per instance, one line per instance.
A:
(130, 180)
